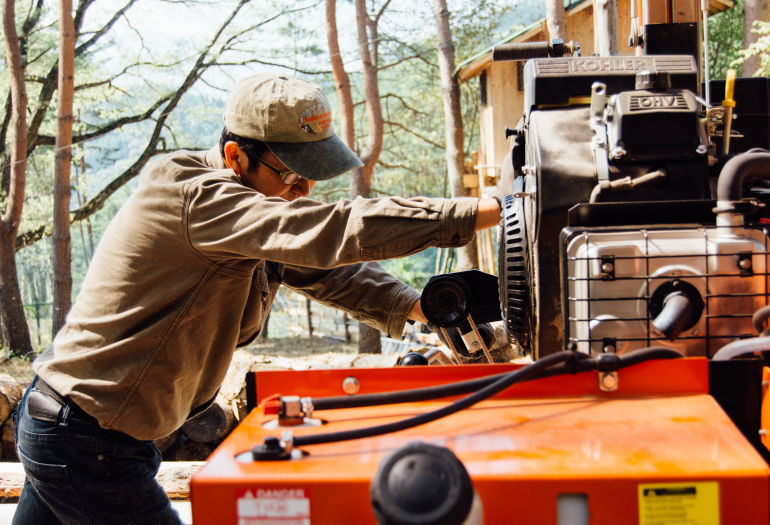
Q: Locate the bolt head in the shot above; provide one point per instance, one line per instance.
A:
(609, 382)
(350, 385)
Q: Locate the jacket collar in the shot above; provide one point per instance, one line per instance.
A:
(214, 159)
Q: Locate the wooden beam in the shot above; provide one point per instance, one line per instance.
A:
(173, 476)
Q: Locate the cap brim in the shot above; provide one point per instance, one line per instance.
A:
(321, 160)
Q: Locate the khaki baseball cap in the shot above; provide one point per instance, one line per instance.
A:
(293, 118)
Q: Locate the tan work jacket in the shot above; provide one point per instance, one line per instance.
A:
(181, 278)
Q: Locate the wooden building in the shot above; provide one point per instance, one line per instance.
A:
(501, 87)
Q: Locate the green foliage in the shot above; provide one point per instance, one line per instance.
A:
(414, 270)
(725, 39)
(760, 48)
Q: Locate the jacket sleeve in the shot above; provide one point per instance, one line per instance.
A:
(366, 291)
(226, 220)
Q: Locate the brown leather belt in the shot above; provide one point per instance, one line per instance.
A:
(45, 403)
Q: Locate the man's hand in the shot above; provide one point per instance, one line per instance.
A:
(487, 214)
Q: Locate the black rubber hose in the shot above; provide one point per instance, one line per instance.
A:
(739, 170)
(542, 368)
(645, 354)
(612, 362)
(425, 393)
(499, 385)
(580, 363)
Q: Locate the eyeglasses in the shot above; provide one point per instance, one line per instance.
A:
(288, 177)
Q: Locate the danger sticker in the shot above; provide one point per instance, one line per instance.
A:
(273, 506)
(679, 503)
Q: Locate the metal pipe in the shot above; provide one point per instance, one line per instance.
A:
(676, 316)
(741, 169)
(742, 347)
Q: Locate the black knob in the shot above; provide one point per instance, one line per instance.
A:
(421, 484)
(414, 359)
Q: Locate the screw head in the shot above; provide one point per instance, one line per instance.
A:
(350, 385)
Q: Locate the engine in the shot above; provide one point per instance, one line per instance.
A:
(634, 214)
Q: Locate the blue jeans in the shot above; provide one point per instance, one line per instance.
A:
(81, 474)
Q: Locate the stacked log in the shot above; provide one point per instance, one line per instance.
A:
(10, 395)
(200, 435)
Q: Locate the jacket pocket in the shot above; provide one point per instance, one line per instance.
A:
(254, 311)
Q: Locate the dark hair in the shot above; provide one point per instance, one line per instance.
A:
(253, 149)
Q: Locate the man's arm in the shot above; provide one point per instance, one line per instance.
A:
(416, 315)
(487, 214)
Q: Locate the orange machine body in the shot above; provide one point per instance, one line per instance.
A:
(626, 453)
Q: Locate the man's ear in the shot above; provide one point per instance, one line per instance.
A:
(235, 158)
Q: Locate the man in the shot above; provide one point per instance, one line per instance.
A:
(185, 273)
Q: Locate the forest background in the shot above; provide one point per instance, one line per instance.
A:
(151, 76)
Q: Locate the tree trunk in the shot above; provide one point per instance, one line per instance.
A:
(369, 341)
(453, 121)
(753, 10)
(341, 78)
(368, 48)
(606, 26)
(555, 19)
(309, 313)
(62, 250)
(361, 178)
(11, 306)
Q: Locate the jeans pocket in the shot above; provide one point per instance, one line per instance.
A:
(43, 471)
(131, 460)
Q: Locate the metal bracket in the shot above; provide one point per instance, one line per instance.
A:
(608, 381)
(598, 126)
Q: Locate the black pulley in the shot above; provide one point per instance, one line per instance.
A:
(514, 273)
(446, 300)
(421, 484)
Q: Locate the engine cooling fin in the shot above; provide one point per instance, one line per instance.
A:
(514, 273)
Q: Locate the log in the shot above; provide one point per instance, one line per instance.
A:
(9, 441)
(10, 395)
(173, 476)
(211, 425)
(186, 450)
(165, 443)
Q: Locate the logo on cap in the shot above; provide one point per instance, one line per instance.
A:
(315, 119)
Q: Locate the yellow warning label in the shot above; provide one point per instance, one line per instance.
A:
(695, 503)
